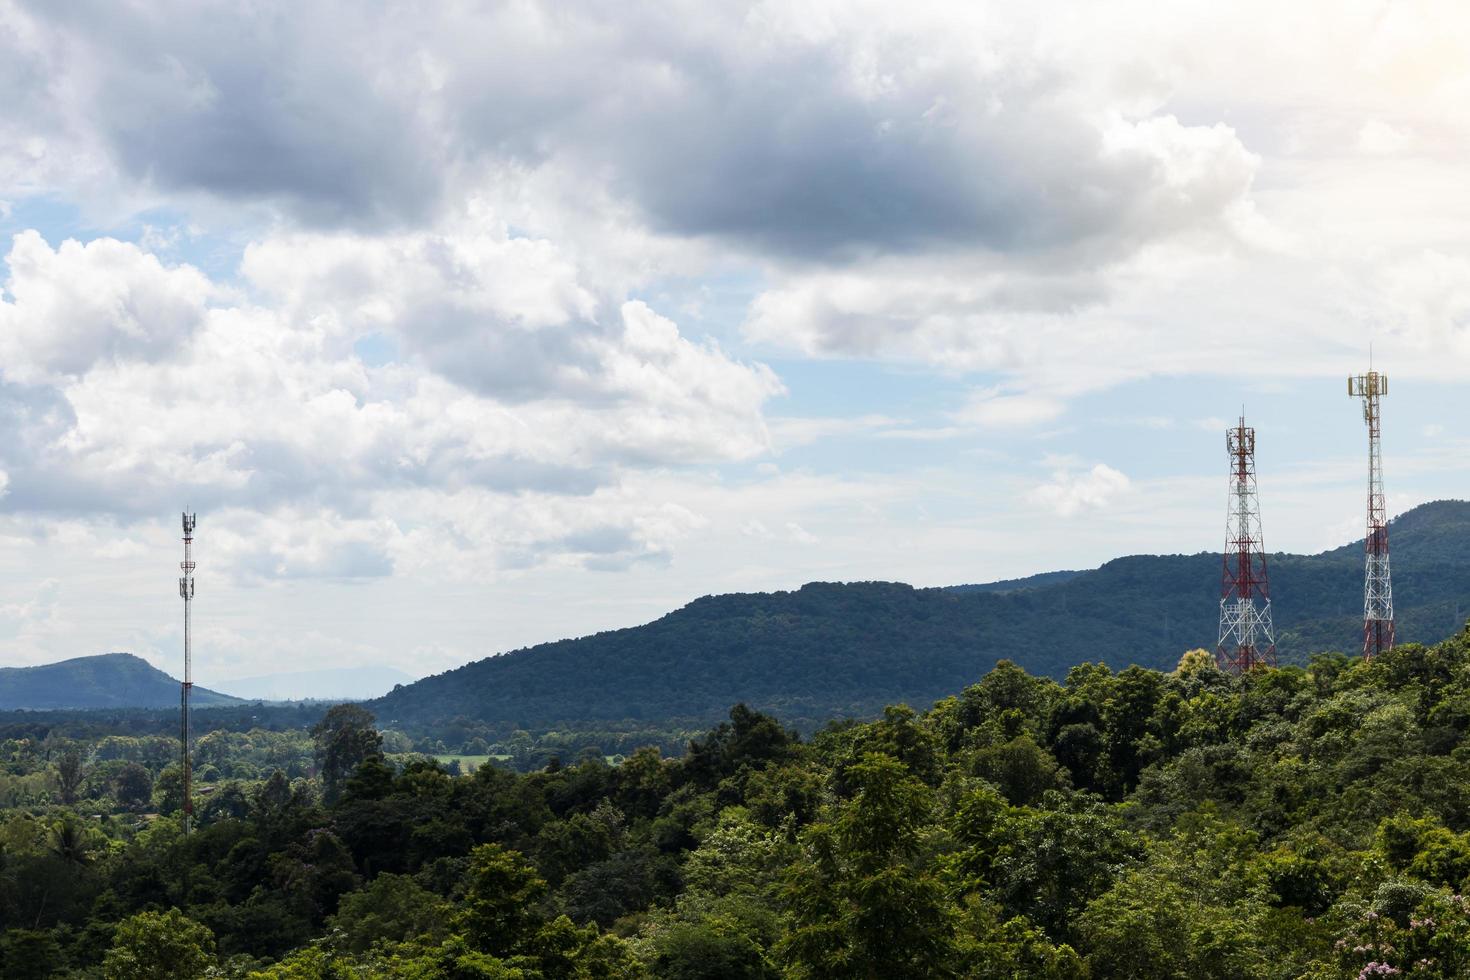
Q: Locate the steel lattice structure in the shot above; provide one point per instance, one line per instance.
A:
(186, 592)
(1377, 585)
(1247, 636)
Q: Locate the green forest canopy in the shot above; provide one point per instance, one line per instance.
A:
(1302, 822)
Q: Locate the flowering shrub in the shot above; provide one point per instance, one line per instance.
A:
(1433, 941)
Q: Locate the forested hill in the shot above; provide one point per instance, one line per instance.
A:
(829, 650)
(108, 680)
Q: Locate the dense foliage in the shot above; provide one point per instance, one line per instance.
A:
(468, 742)
(1302, 822)
(831, 650)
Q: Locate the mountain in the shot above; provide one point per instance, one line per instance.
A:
(1017, 584)
(107, 680)
(329, 684)
(832, 650)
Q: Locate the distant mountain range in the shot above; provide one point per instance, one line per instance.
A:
(845, 650)
(832, 650)
(330, 684)
(108, 680)
(122, 680)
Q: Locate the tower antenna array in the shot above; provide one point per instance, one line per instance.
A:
(1377, 586)
(1247, 636)
(186, 592)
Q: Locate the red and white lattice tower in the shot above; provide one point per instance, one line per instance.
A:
(1377, 586)
(186, 592)
(1247, 637)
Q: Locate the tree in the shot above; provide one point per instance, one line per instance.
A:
(29, 954)
(1194, 909)
(371, 780)
(70, 840)
(993, 948)
(709, 948)
(69, 774)
(1020, 769)
(394, 908)
(314, 872)
(1044, 862)
(748, 738)
(159, 946)
(604, 892)
(863, 904)
(132, 787)
(345, 738)
(228, 802)
(500, 907)
(168, 790)
(641, 782)
(273, 795)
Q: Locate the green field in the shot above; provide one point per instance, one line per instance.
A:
(469, 762)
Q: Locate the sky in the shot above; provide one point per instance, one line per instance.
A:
(467, 326)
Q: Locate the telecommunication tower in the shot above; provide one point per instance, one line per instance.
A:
(186, 592)
(1377, 587)
(1247, 636)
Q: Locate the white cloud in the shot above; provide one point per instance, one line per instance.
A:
(994, 408)
(291, 543)
(1426, 302)
(687, 401)
(755, 529)
(793, 532)
(1042, 191)
(800, 534)
(1287, 278)
(508, 318)
(131, 382)
(75, 305)
(35, 620)
(1004, 132)
(1378, 138)
(789, 433)
(1070, 493)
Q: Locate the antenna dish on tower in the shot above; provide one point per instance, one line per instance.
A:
(1377, 585)
(186, 592)
(1247, 635)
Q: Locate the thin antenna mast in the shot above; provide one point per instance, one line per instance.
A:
(186, 592)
